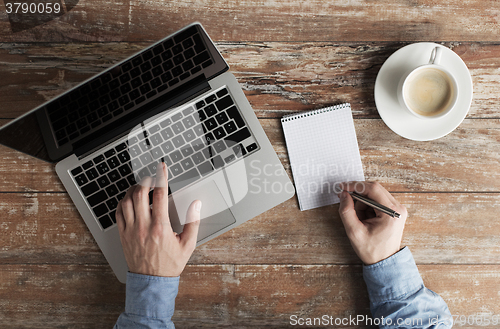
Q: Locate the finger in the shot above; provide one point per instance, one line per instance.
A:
(141, 201)
(160, 194)
(372, 190)
(348, 214)
(119, 218)
(127, 207)
(189, 236)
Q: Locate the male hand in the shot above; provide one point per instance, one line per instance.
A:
(374, 235)
(150, 245)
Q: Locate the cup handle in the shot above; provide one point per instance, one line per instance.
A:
(435, 55)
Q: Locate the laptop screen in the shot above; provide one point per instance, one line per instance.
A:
(105, 107)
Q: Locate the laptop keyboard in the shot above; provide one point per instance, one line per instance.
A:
(114, 93)
(194, 142)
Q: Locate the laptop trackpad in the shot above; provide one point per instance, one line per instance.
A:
(215, 213)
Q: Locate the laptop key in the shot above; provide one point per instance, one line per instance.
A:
(90, 188)
(185, 76)
(167, 147)
(152, 168)
(251, 147)
(156, 153)
(87, 165)
(219, 146)
(219, 133)
(229, 158)
(167, 160)
(165, 123)
(102, 168)
(124, 170)
(197, 144)
(187, 164)
(111, 190)
(122, 185)
(238, 136)
(131, 180)
(210, 124)
(81, 179)
(176, 169)
(76, 171)
(210, 110)
(198, 158)
(224, 103)
(92, 174)
(156, 139)
(218, 162)
(210, 99)
(143, 173)
(230, 127)
(207, 63)
(97, 198)
(112, 204)
(178, 141)
(100, 210)
(120, 196)
(239, 150)
(222, 92)
(114, 175)
(189, 135)
(178, 127)
(187, 151)
(109, 153)
(206, 168)
(177, 117)
(189, 122)
(103, 181)
(236, 116)
(176, 156)
(105, 222)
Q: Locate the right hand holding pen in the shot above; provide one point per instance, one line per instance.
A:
(374, 235)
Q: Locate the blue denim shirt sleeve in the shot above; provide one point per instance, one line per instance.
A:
(399, 297)
(149, 303)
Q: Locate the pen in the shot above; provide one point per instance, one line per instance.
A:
(374, 205)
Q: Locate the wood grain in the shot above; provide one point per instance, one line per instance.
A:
(278, 78)
(291, 20)
(442, 228)
(288, 56)
(236, 296)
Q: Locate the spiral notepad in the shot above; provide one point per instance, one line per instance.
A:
(323, 151)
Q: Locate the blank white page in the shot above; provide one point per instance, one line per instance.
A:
(323, 151)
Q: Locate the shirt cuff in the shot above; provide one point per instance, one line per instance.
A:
(393, 278)
(151, 296)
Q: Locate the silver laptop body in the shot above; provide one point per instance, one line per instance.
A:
(202, 126)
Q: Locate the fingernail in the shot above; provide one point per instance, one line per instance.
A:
(198, 206)
(342, 195)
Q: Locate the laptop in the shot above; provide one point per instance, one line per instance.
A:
(173, 102)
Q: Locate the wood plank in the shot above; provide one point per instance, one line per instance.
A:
(465, 160)
(278, 78)
(442, 228)
(319, 20)
(245, 296)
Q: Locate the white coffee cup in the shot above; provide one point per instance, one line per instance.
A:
(430, 91)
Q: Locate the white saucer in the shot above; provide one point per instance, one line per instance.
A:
(400, 120)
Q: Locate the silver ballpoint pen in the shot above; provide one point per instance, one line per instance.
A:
(374, 205)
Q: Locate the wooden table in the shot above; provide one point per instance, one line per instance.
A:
(289, 55)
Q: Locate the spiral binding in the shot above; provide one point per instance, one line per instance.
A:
(291, 117)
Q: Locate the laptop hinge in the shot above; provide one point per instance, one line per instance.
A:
(171, 99)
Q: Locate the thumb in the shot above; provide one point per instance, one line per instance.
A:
(348, 213)
(190, 233)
